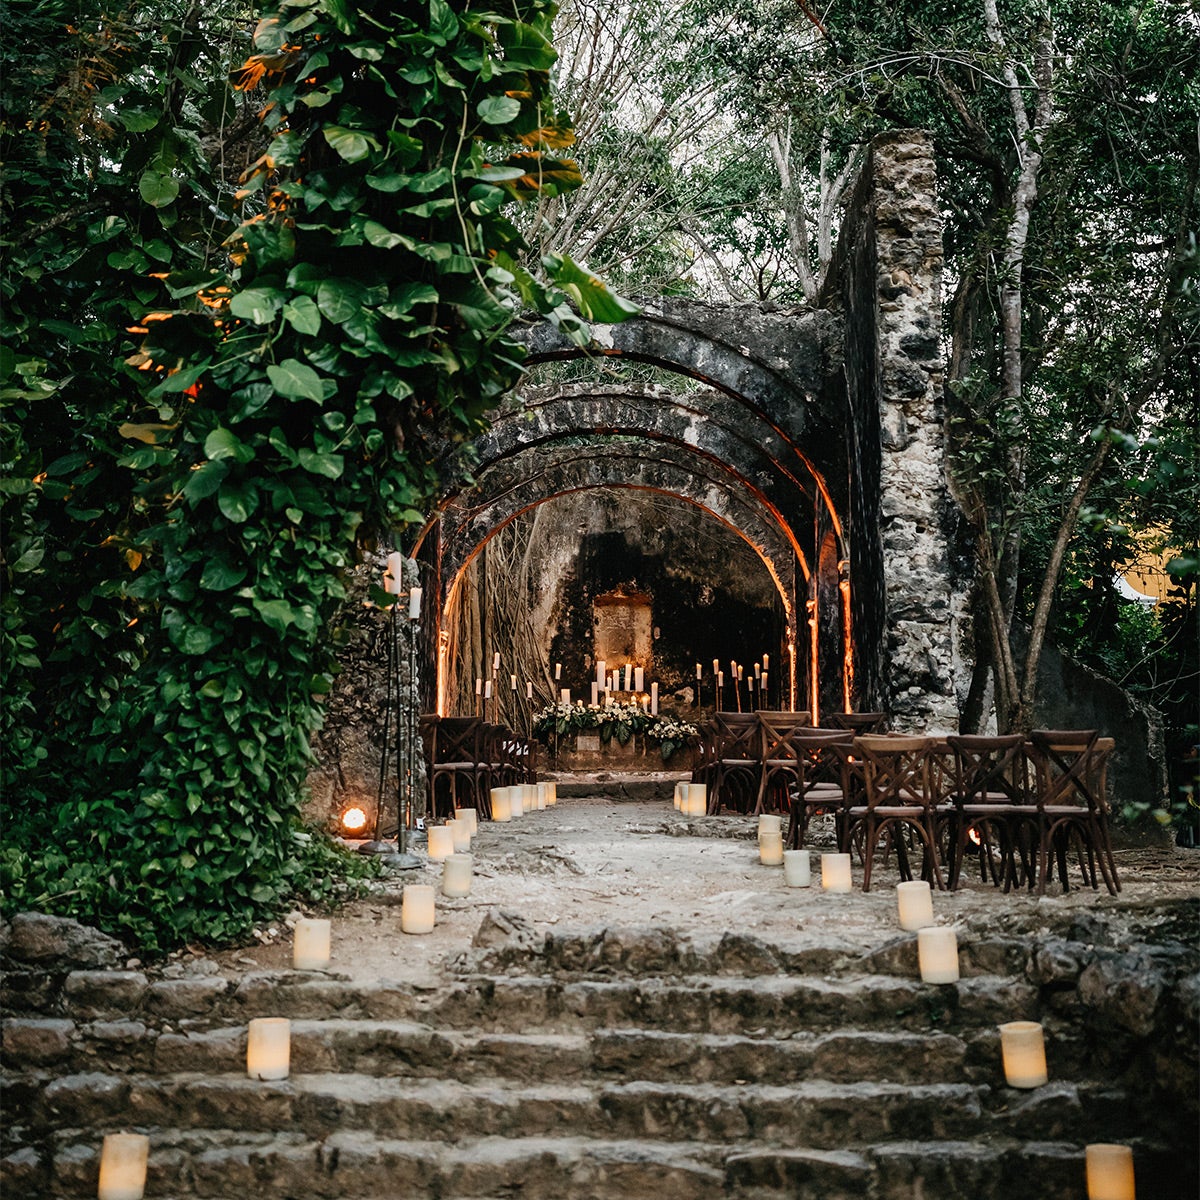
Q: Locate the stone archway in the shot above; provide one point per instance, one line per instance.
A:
(817, 437)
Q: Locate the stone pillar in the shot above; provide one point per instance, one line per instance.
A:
(907, 614)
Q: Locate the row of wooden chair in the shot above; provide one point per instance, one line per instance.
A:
(465, 757)
(1021, 804)
(750, 761)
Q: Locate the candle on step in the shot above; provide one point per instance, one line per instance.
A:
(269, 1048)
(915, 902)
(472, 819)
(835, 872)
(456, 875)
(441, 842)
(123, 1166)
(769, 823)
(416, 908)
(770, 848)
(310, 944)
(654, 699)
(1023, 1049)
(797, 869)
(460, 833)
(639, 679)
(501, 804)
(1109, 1172)
(937, 954)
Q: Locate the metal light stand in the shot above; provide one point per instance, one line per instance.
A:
(388, 705)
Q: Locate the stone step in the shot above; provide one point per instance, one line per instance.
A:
(714, 1004)
(818, 1113)
(359, 1166)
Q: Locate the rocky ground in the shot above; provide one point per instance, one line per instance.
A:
(589, 862)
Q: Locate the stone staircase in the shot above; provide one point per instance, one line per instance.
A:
(619, 1063)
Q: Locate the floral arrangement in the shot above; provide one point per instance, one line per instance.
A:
(620, 719)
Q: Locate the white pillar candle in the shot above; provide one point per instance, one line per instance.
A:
(937, 954)
(639, 679)
(769, 823)
(741, 672)
(654, 699)
(414, 604)
(766, 662)
(601, 672)
(460, 834)
(392, 580)
(269, 1048)
(1109, 1172)
(696, 800)
(416, 908)
(770, 848)
(501, 804)
(558, 670)
(835, 873)
(310, 944)
(915, 902)
(529, 797)
(720, 679)
(123, 1166)
(441, 842)
(1023, 1049)
(716, 664)
(479, 687)
(496, 661)
(529, 689)
(679, 795)
(552, 797)
(472, 819)
(797, 868)
(487, 690)
(565, 696)
(699, 674)
(543, 796)
(513, 684)
(456, 875)
(629, 677)
(595, 693)
(516, 802)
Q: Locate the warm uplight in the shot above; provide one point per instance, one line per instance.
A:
(354, 821)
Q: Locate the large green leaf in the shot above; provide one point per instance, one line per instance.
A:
(303, 316)
(339, 299)
(158, 190)
(590, 293)
(256, 304)
(498, 110)
(350, 144)
(295, 380)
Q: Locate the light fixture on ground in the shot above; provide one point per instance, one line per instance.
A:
(123, 1166)
(456, 875)
(311, 944)
(1023, 1049)
(835, 873)
(937, 954)
(797, 868)
(1109, 1172)
(269, 1048)
(914, 900)
(353, 822)
(417, 909)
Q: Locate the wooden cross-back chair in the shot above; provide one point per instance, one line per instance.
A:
(822, 784)
(455, 764)
(780, 757)
(895, 773)
(738, 762)
(1071, 773)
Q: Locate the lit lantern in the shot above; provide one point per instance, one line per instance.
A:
(472, 819)
(269, 1048)
(797, 868)
(696, 800)
(835, 873)
(915, 901)
(937, 954)
(123, 1166)
(501, 804)
(456, 875)
(1023, 1048)
(1109, 1172)
(441, 842)
(516, 801)
(353, 822)
(310, 944)
(416, 908)
(460, 834)
(770, 848)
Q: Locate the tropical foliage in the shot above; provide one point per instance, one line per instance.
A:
(179, 510)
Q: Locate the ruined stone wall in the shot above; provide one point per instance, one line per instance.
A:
(907, 607)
